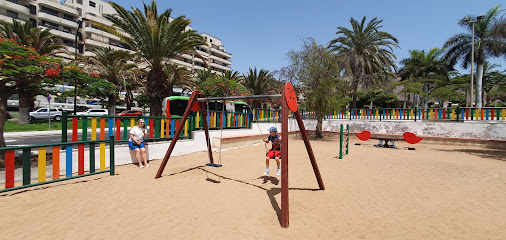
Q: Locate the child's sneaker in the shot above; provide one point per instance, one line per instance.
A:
(266, 171)
(278, 172)
(141, 166)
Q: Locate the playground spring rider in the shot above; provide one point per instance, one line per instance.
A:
(288, 102)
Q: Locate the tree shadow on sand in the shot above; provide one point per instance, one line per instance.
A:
(483, 153)
(271, 193)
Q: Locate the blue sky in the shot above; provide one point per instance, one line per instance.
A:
(260, 33)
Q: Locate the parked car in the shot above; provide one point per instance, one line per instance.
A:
(44, 113)
(94, 112)
(133, 113)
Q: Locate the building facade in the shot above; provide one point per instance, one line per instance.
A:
(72, 21)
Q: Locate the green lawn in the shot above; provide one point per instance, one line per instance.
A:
(39, 125)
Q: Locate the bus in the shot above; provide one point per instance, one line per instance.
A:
(175, 106)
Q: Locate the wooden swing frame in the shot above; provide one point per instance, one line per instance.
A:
(289, 102)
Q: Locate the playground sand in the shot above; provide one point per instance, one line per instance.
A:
(435, 192)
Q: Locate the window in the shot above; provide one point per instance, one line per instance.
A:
(49, 11)
(68, 17)
(33, 9)
(12, 14)
(43, 110)
(54, 110)
(92, 4)
(80, 2)
(34, 22)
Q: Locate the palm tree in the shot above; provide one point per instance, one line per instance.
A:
(422, 67)
(232, 75)
(158, 39)
(487, 43)
(178, 76)
(113, 66)
(368, 51)
(491, 79)
(201, 75)
(43, 42)
(260, 83)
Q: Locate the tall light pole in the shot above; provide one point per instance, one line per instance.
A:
(468, 19)
(79, 22)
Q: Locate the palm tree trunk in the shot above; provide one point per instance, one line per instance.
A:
(319, 126)
(156, 90)
(479, 86)
(129, 98)
(425, 98)
(4, 95)
(111, 105)
(25, 97)
(354, 86)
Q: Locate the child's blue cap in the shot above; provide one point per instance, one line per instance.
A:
(273, 129)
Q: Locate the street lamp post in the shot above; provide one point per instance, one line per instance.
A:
(467, 19)
(79, 22)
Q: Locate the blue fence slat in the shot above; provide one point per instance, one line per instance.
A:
(68, 160)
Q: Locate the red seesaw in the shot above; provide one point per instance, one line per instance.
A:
(409, 137)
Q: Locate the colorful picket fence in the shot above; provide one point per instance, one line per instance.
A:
(223, 119)
(450, 114)
(97, 127)
(56, 166)
(266, 115)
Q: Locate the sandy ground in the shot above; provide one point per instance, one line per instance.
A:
(435, 192)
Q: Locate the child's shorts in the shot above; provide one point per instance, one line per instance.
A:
(272, 154)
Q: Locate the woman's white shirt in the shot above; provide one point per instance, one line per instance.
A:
(137, 133)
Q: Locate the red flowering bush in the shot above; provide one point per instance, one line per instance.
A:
(215, 87)
(51, 72)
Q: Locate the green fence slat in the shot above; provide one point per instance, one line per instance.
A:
(157, 128)
(92, 157)
(27, 165)
(84, 134)
(125, 129)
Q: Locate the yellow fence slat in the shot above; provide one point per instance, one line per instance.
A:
(42, 164)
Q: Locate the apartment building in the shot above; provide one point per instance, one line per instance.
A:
(72, 21)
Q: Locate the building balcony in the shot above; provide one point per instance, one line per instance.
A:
(62, 34)
(57, 20)
(55, 4)
(15, 7)
(96, 43)
(181, 63)
(221, 53)
(220, 67)
(221, 60)
(98, 19)
(100, 32)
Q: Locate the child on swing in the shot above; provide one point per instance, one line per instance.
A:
(274, 152)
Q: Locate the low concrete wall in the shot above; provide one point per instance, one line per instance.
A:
(469, 130)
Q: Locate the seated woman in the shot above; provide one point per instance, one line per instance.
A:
(136, 142)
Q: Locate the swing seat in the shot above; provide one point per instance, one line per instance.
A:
(213, 165)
